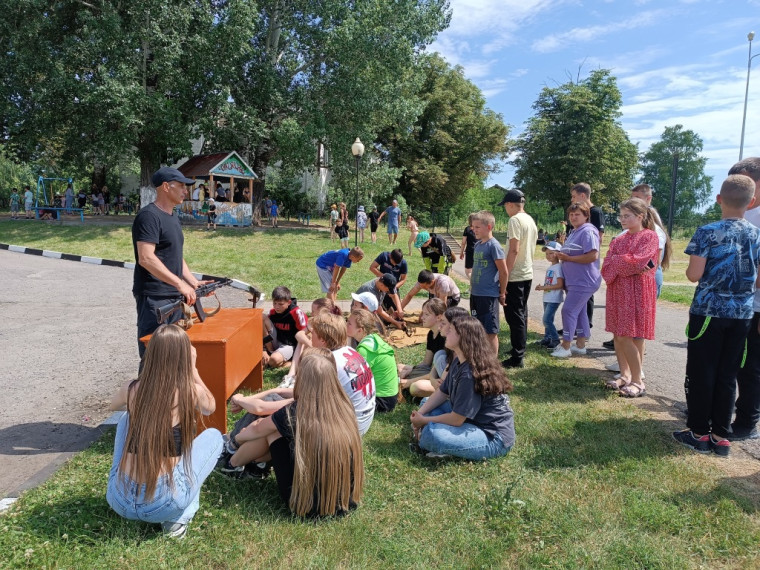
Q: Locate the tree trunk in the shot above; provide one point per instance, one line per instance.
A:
(148, 165)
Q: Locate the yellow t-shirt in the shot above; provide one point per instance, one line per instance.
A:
(523, 228)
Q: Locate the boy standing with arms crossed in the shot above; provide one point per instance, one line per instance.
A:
(724, 257)
(488, 281)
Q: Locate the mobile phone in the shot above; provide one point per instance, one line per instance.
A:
(650, 264)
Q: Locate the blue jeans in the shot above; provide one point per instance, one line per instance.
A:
(467, 441)
(550, 331)
(658, 280)
(167, 505)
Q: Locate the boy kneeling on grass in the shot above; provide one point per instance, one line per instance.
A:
(723, 257)
(280, 329)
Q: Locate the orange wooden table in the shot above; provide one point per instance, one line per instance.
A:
(229, 347)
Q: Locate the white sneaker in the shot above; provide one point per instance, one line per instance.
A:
(561, 352)
(287, 382)
(577, 350)
(614, 367)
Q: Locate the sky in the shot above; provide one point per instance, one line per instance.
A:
(676, 62)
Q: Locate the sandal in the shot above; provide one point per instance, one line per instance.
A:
(615, 383)
(633, 391)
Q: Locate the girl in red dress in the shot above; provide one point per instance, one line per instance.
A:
(628, 270)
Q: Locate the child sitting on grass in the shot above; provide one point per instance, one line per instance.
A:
(723, 258)
(285, 319)
(379, 355)
(313, 442)
(469, 415)
(422, 379)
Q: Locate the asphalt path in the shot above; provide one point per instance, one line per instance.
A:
(68, 340)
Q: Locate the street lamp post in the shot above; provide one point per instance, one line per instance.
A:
(357, 149)
(750, 57)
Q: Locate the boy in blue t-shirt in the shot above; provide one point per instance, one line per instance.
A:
(331, 266)
(488, 280)
(553, 288)
(274, 211)
(723, 257)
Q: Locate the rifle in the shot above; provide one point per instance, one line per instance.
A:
(166, 311)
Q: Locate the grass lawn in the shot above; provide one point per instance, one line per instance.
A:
(593, 481)
(264, 259)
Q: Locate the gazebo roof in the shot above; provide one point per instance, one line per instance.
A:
(220, 164)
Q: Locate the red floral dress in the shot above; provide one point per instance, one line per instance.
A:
(631, 294)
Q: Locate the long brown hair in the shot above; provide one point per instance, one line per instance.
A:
(165, 383)
(489, 376)
(328, 447)
(650, 221)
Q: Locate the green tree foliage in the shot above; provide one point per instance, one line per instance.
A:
(327, 72)
(575, 136)
(693, 186)
(454, 139)
(97, 80)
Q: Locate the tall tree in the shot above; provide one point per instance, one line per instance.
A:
(454, 139)
(575, 136)
(693, 186)
(325, 72)
(107, 78)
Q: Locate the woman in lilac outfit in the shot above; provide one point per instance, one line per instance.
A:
(580, 264)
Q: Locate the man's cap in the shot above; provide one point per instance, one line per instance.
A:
(421, 238)
(551, 246)
(361, 208)
(167, 174)
(367, 299)
(513, 196)
(388, 280)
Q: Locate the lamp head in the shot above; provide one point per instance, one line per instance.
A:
(357, 149)
(751, 36)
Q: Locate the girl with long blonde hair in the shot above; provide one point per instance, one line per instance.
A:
(313, 443)
(159, 464)
(469, 415)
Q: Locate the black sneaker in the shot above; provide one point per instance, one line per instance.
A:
(741, 434)
(513, 363)
(687, 438)
(232, 471)
(552, 344)
(610, 344)
(257, 470)
(720, 448)
(415, 448)
(224, 459)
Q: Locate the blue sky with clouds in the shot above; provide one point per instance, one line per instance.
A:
(676, 61)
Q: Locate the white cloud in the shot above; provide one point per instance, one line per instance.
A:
(588, 34)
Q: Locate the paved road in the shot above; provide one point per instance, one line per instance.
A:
(68, 342)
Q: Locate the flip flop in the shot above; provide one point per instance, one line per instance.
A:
(633, 391)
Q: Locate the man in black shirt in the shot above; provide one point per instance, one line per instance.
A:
(581, 194)
(161, 273)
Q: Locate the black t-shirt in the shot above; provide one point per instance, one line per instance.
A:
(153, 225)
(284, 420)
(288, 324)
(434, 344)
(435, 249)
(471, 240)
(373, 216)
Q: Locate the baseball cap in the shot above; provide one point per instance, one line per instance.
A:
(513, 196)
(551, 246)
(367, 299)
(167, 174)
(388, 280)
(421, 238)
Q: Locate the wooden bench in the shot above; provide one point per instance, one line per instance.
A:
(229, 346)
(57, 211)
